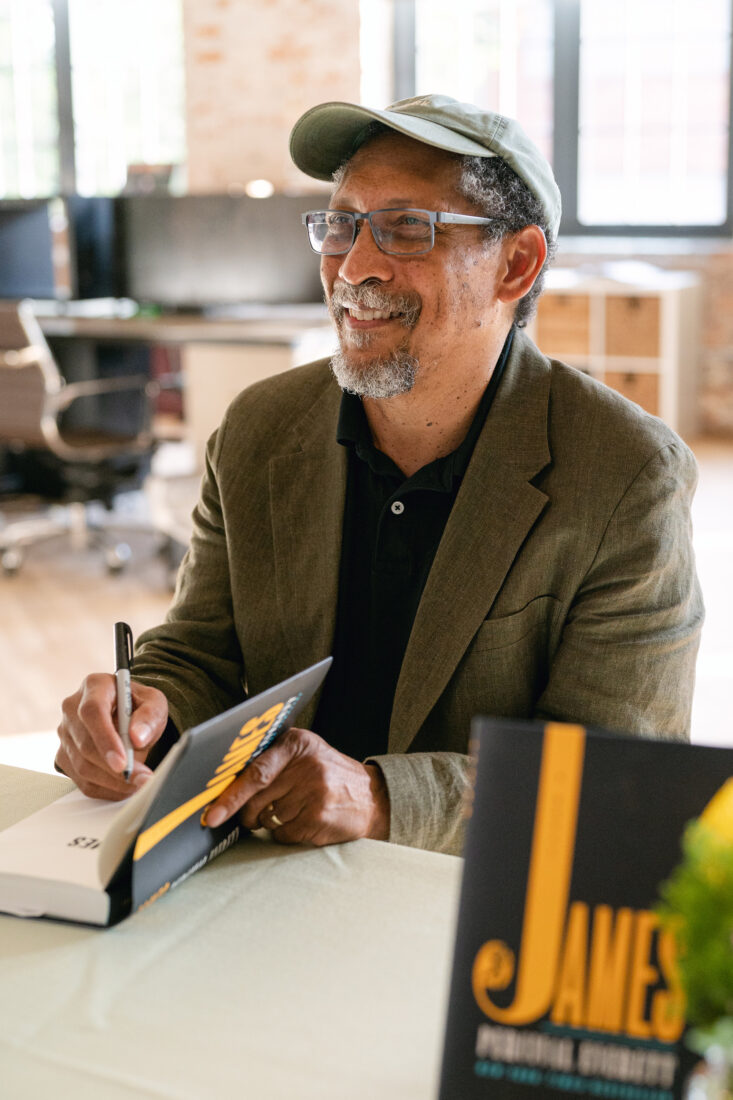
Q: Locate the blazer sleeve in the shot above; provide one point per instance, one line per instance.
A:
(626, 654)
(428, 796)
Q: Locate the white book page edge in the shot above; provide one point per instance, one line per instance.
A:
(77, 839)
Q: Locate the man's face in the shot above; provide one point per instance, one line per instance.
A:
(401, 318)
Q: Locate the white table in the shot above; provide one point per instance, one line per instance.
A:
(278, 973)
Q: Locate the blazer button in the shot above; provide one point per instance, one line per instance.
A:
(397, 507)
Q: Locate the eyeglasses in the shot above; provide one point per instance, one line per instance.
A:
(395, 231)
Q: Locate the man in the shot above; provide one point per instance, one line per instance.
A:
(468, 527)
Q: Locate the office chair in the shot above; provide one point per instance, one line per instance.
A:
(59, 451)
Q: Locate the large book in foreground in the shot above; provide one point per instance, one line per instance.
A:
(94, 862)
(564, 984)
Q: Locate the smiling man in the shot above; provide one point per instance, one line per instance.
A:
(467, 526)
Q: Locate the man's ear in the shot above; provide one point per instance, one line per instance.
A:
(524, 254)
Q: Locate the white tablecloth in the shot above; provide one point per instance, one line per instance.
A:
(278, 973)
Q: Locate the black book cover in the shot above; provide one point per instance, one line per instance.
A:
(173, 840)
(563, 982)
(95, 861)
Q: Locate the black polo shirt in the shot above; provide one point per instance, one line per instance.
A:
(392, 527)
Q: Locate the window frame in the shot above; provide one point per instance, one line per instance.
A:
(67, 142)
(67, 173)
(566, 117)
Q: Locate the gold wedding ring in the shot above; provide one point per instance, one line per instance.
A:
(273, 816)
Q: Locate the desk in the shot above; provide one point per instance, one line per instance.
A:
(221, 351)
(246, 324)
(278, 973)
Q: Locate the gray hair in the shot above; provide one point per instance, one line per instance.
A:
(498, 192)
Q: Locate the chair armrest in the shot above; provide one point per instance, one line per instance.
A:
(23, 357)
(56, 403)
(72, 391)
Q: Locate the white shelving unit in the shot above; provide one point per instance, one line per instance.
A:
(634, 327)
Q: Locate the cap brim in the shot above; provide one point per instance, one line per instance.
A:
(324, 137)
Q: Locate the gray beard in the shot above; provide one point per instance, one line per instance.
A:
(383, 376)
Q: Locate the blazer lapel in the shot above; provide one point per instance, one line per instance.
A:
(495, 508)
(307, 489)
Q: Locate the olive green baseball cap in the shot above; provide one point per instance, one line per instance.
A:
(327, 135)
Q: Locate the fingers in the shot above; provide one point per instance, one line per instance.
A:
(91, 751)
(96, 782)
(270, 818)
(90, 721)
(306, 792)
(256, 779)
(149, 715)
(279, 799)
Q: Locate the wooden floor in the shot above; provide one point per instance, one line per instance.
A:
(56, 616)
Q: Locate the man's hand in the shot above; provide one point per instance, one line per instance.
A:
(91, 751)
(307, 793)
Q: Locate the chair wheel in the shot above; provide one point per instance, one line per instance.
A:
(11, 561)
(117, 557)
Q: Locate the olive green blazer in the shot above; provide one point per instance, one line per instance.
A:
(564, 585)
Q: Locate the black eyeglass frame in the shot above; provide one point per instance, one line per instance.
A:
(441, 217)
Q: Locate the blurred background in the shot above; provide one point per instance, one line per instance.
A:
(150, 224)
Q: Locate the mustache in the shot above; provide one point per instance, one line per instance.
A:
(368, 296)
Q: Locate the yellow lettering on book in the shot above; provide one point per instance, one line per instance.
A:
(245, 743)
(668, 1005)
(237, 755)
(612, 971)
(609, 965)
(493, 967)
(548, 881)
(569, 1004)
(641, 976)
(611, 986)
(155, 833)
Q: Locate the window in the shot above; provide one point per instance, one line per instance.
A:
(654, 104)
(127, 92)
(630, 101)
(91, 96)
(490, 52)
(29, 131)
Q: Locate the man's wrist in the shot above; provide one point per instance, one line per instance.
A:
(379, 826)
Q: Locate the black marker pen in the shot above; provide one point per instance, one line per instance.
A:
(123, 663)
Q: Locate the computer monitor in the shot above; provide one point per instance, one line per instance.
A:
(205, 250)
(26, 251)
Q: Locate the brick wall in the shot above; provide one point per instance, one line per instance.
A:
(716, 357)
(252, 68)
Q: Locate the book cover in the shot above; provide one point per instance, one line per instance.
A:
(563, 981)
(92, 861)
